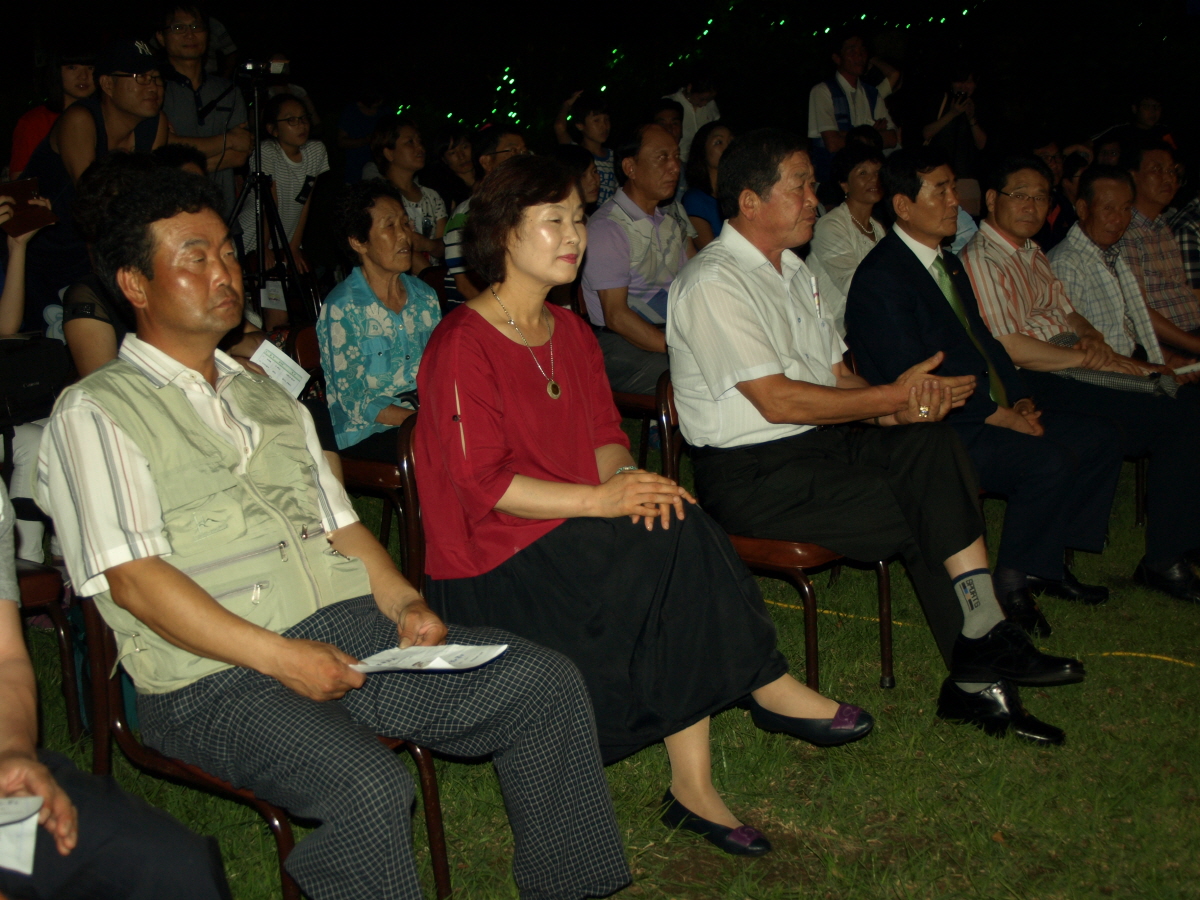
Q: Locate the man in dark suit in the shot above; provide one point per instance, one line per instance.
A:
(910, 298)
(761, 389)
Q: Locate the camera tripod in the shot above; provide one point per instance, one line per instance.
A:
(300, 296)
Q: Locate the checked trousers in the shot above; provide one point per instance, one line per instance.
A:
(528, 710)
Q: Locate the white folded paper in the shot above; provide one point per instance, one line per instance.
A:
(443, 658)
(1188, 369)
(18, 832)
(280, 368)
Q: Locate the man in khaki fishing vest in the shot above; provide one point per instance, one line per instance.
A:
(193, 502)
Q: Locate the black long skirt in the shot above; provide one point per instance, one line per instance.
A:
(667, 626)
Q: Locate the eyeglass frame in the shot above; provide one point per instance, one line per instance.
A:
(525, 152)
(184, 27)
(296, 120)
(156, 80)
(1020, 197)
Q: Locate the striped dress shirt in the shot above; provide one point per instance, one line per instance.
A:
(1016, 289)
(95, 482)
(1152, 252)
(1106, 292)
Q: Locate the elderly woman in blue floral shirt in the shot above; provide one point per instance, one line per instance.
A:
(374, 326)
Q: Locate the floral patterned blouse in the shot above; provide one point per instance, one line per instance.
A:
(369, 353)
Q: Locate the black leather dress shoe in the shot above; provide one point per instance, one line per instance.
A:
(1178, 581)
(1070, 588)
(998, 710)
(1020, 607)
(849, 724)
(1007, 652)
(743, 841)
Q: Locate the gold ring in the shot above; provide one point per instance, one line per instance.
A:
(923, 412)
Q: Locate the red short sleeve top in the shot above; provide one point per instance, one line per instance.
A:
(485, 417)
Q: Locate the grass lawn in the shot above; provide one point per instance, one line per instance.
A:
(919, 809)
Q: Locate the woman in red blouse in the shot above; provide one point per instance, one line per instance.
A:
(538, 521)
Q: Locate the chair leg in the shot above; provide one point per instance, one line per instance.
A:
(883, 574)
(101, 719)
(66, 656)
(1139, 491)
(644, 446)
(385, 522)
(808, 596)
(285, 842)
(835, 574)
(433, 818)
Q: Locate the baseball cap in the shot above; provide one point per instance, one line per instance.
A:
(134, 57)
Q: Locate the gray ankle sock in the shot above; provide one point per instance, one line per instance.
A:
(973, 687)
(981, 611)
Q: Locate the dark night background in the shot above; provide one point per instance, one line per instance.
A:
(1064, 66)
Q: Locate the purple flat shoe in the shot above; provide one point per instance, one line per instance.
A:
(849, 724)
(743, 841)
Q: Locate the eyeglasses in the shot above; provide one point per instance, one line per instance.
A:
(185, 27)
(142, 78)
(521, 152)
(1040, 200)
(296, 120)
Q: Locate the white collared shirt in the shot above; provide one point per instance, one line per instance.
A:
(731, 318)
(95, 482)
(927, 255)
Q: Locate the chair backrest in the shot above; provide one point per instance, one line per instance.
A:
(668, 427)
(435, 277)
(304, 348)
(414, 531)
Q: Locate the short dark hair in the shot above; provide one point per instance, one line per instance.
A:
(865, 134)
(628, 147)
(387, 132)
(487, 138)
(902, 171)
(752, 163)
(352, 215)
(661, 104)
(697, 164)
(1087, 181)
(702, 79)
(1074, 165)
(850, 158)
(1137, 146)
(448, 138)
(176, 156)
(500, 203)
(126, 241)
(574, 157)
(272, 108)
(105, 179)
(1010, 165)
(588, 103)
(836, 42)
(166, 11)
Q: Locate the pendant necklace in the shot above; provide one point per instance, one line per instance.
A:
(552, 387)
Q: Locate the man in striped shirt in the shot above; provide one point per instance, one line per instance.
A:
(1026, 308)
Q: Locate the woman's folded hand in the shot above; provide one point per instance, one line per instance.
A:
(641, 495)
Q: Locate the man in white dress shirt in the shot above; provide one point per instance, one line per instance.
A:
(759, 380)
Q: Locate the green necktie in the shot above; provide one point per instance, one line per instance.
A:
(950, 292)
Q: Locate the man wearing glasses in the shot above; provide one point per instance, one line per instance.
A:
(1072, 370)
(204, 110)
(123, 114)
